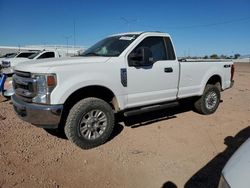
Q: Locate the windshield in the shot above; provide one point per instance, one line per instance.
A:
(33, 55)
(25, 54)
(10, 55)
(111, 46)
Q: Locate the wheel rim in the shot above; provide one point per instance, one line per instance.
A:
(93, 124)
(211, 100)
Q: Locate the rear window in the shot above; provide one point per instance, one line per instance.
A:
(47, 55)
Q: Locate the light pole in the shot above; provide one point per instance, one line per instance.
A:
(67, 39)
(74, 36)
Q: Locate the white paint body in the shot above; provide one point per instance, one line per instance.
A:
(144, 86)
(236, 171)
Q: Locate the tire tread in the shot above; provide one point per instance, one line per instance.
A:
(70, 129)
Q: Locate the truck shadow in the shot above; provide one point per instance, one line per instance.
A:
(209, 175)
(3, 109)
(4, 100)
(134, 121)
(59, 133)
(155, 116)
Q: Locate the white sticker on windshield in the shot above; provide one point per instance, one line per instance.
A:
(126, 38)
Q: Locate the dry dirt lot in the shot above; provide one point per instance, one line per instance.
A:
(169, 148)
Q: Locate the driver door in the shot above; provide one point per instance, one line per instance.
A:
(158, 82)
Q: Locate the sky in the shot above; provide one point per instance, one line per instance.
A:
(197, 27)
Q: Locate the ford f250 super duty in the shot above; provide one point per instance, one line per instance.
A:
(129, 73)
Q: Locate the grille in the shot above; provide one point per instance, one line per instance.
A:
(23, 74)
(24, 86)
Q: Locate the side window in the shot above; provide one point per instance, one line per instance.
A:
(47, 55)
(157, 47)
(170, 49)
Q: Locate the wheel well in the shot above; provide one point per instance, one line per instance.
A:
(215, 80)
(89, 91)
(92, 91)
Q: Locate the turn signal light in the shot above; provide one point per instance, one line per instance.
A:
(51, 81)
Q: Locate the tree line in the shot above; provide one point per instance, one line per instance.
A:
(215, 56)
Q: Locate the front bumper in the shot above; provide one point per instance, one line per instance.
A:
(7, 70)
(44, 116)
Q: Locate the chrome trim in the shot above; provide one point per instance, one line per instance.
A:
(45, 116)
(24, 87)
(29, 100)
(24, 92)
(23, 74)
(23, 80)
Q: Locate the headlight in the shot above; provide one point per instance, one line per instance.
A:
(5, 64)
(45, 85)
(223, 183)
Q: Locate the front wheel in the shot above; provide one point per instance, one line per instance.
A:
(90, 123)
(209, 101)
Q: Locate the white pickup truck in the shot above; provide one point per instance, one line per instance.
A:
(128, 73)
(9, 63)
(21, 55)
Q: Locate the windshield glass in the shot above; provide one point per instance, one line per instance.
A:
(10, 55)
(33, 55)
(25, 54)
(111, 46)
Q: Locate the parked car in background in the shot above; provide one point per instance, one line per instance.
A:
(10, 56)
(236, 173)
(9, 63)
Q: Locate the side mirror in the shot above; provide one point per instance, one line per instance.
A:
(141, 57)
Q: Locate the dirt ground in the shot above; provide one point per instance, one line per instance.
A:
(169, 148)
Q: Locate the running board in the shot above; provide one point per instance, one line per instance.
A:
(150, 108)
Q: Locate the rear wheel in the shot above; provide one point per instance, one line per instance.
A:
(90, 123)
(209, 101)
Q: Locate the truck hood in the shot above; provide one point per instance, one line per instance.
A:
(236, 171)
(1, 59)
(47, 65)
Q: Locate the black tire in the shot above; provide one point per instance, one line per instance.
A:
(209, 101)
(85, 128)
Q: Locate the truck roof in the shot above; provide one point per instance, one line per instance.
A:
(142, 32)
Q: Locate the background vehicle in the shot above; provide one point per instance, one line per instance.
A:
(129, 73)
(236, 172)
(10, 56)
(9, 63)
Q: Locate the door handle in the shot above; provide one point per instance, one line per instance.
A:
(168, 69)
